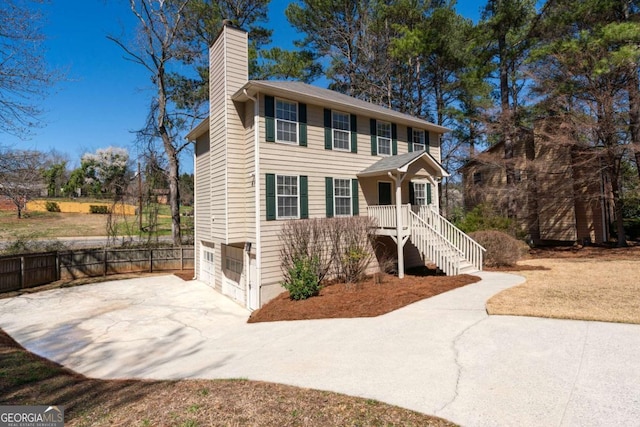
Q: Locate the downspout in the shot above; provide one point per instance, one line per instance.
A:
(256, 182)
(196, 255)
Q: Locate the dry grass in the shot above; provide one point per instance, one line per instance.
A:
(594, 286)
(51, 225)
(26, 379)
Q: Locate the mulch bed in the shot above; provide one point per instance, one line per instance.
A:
(369, 298)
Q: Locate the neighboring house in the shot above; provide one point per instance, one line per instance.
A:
(273, 151)
(560, 194)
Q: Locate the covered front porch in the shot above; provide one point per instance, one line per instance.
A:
(401, 194)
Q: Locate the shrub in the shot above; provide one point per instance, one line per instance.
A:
(502, 249)
(632, 228)
(483, 217)
(52, 207)
(305, 239)
(302, 282)
(99, 209)
(351, 239)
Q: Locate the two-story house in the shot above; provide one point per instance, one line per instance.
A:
(276, 151)
(560, 194)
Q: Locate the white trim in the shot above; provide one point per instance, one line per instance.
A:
(253, 295)
(335, 206)
(278, 217)
(195, 207)
(276, 119)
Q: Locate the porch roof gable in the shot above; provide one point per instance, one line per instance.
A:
(401, 163)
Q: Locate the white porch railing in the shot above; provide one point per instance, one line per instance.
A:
(473, 252)
(438, 239)
(435, 246)
(386, 215)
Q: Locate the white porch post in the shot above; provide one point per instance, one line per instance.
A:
(399, 238)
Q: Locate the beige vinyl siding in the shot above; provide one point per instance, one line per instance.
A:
(434, 146)
(217, 130)
(238, 181)
(249, 161)
(229, 177)
(316, 163)
(202, 194)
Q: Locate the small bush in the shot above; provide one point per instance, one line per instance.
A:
(483, 217)
(632, 228)
(52, 207)
(502, 249)
(302, 280)
(99, 209)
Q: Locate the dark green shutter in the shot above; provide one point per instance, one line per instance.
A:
(328, 186)
(428, 194)
(410, 138)
(354, 133)
(374, 139)
(328, 141)
(394, 139)
(304, 197)
(269, 122)
(412, 194)
(427, 146)
(302, 123)
(271, 196)
(354, 198)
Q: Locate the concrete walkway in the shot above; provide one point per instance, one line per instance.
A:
(442, 356)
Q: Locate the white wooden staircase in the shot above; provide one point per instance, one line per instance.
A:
(440, 242)
(453, 251)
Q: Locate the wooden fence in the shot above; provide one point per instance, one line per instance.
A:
(30, 270)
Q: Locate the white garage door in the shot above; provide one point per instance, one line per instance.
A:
(207, 265)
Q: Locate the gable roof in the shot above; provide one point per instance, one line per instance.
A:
(331, 99)
(401, 163)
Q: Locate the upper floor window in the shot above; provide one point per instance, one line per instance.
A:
(341, 131)
(287, 200)
(419, 140)
(384, 138)
(286, 121)
(477, 178)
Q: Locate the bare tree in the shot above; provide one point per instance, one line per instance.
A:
(21, 176)
(24, 78)
(157, 48)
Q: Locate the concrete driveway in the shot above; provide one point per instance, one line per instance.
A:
(442, 356)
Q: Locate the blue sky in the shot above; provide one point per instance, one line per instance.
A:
(104, 97)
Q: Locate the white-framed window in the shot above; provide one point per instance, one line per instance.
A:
(233, 265)
(286, 121)
(420, 193)
(341, 131)
(419, 140)
(287, 197)
(342, 197)
(384, 138)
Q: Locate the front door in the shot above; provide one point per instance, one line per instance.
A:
(384, 193)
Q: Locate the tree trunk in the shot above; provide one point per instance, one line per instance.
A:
(506, 127)
(634, 114)
(618, 211)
